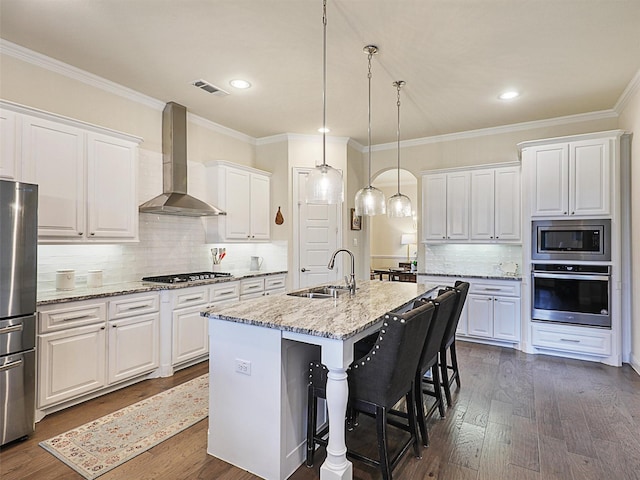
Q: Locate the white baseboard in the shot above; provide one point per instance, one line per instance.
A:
(634, 362)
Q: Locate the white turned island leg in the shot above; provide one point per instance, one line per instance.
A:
(336, 466)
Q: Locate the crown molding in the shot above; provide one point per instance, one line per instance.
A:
(631, 89)
(216, 127)
(288, 137)
(515, 127)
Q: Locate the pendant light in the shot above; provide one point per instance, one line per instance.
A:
(324, 183)
(399, 204)
(369, 200)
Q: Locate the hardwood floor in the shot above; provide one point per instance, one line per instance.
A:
(516, 417)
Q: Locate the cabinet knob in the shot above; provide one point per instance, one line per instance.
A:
(93, 233)
(444, 236)
(564, 213)
(101, 328)
(80, 233)
(492, 237)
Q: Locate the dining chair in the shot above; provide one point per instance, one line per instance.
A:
(378, 381)
(449, 342)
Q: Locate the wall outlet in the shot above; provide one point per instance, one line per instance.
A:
(243, 366)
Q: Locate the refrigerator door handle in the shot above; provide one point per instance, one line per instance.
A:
(12, 328)
(9, 366)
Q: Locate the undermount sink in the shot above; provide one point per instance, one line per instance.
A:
(327, 291)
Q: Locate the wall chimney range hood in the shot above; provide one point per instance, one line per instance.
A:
(175, 200)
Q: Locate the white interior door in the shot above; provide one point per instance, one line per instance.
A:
(317, 232)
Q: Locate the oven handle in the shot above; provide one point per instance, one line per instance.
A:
(571, 276)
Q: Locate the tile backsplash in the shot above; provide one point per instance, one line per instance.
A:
(168, 244)
(470, 259)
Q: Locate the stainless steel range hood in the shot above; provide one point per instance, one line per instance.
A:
(175, 200)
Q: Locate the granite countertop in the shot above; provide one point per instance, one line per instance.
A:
(517, 277)
(338, 318)
(85, 293)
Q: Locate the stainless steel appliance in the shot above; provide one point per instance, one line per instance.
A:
(571, 240)
(573, 294)
(18, 266)
(185, 277)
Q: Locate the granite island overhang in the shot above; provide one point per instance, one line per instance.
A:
(259, 354)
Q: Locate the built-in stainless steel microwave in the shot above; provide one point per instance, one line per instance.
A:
(567, 240)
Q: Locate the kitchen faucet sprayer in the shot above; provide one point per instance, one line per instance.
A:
(351, 283)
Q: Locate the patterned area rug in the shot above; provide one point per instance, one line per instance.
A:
(99, 446)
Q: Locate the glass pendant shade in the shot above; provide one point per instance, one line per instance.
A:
(399, 206)
(324, 186)
(370, 201)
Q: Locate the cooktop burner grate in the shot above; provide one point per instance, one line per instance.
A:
(185, 277)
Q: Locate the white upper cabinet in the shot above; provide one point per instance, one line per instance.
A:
(495, 204)
(477, 205)
(111, 187)
(244, 193)
(86, 176)
(8, 148)
(445, 206)
(53, 158)
(571, 178)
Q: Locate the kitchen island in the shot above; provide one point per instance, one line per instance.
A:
(259, 356)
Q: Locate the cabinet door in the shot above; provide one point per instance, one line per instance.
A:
(260, 207)
(434, 207)
(8, 143)
(190, 335)
(458, 206)
(507, 204)
(550, 182)
(238, 218)
(463, 322)
(134, 346)
(482, 205)
(53, 158)
(480, 315)
(111, 188)
(506, 318)
(71, 363)
(589, 180)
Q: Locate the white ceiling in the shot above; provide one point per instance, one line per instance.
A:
(567, 57)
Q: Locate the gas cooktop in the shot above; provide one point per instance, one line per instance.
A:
(185, 277)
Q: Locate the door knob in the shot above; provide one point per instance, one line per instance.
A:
(303, 269)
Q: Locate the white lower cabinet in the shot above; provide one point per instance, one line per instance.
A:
(76, 355)
(494, 310)
(190, 335)
(569, 338)
(71, 363)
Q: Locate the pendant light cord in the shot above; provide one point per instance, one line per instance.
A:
(398, 86)
(324, 82)
(371, 52)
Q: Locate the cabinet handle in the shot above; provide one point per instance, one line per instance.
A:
(137, 307)
(8, 366)
(113, 326)
(192, 298)
(492, 289)
(570, 340)
(80, 233)
(220, 294)
(77, 317)
(102, 328)
(92, 233)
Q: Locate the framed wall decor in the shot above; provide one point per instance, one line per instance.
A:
(356, 220)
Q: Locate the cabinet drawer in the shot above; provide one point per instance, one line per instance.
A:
(570, 339)
(131, 305)
(189, 297)
(75, 314)
(254, 285)
(511, 289)
(271, 283)
(225, 292)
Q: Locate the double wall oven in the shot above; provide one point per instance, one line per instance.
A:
(566, 291)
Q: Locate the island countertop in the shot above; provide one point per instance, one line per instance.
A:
(338, 318)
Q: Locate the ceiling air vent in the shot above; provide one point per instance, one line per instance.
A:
(209, 88)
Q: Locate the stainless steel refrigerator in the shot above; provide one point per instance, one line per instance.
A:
(18, 280)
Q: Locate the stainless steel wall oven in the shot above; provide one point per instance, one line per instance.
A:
(572, 294)
(571, 240)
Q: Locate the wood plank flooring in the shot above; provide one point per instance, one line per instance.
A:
(516, 417)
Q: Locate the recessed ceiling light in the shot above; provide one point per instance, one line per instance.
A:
(238, 83)
(509, 95)
(323, 130)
